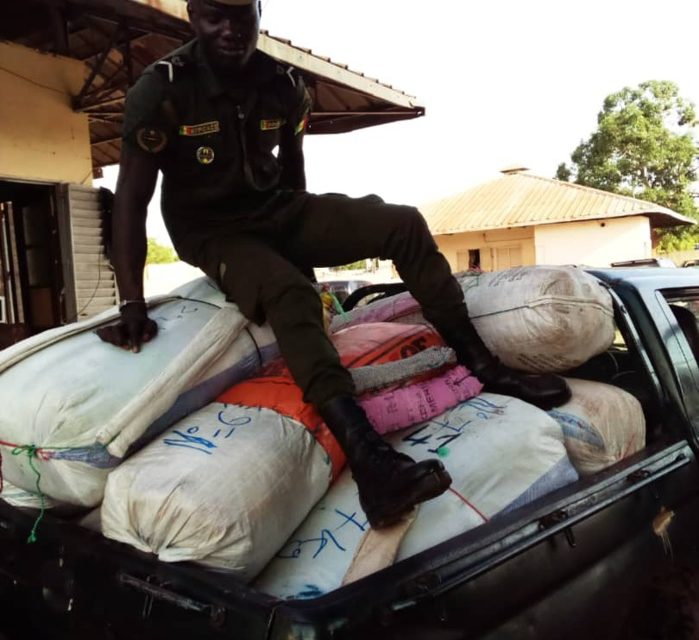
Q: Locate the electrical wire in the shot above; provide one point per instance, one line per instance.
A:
(94, 293)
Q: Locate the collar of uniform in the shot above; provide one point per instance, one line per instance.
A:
(264, 69)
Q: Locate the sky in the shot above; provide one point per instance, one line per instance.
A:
(504, 83)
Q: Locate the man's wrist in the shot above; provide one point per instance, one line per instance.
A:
(137, 301)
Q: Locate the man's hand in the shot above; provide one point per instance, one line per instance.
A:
(133, 329)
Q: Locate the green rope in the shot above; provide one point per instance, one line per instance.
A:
(31, 451)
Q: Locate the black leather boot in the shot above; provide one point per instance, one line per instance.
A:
(544, 390)
(390, 483)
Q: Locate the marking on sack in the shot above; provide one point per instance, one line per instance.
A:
(325, 537)
(190, 439)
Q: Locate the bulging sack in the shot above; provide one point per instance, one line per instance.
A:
(501, 453)
(537, 319)
(602, 424)
(224, 487)
(74, 406)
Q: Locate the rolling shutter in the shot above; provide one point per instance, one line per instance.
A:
(90, 282)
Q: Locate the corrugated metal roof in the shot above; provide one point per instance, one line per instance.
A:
(520, 199)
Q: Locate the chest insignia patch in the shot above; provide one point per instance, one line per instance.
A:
(151, 140)
(202, 129)
(205, 155)
(271, 124)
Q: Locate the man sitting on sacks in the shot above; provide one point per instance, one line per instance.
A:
(209, 116)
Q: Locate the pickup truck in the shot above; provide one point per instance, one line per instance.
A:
(612, 555)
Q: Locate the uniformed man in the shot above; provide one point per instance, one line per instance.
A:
(225, 125)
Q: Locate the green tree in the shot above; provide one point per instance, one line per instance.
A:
(159, 253)
(360, 264)
(645, 146)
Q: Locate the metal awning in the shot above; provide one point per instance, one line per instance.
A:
(117, 39)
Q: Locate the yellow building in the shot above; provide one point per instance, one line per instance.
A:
(45, 164)
(522, 219)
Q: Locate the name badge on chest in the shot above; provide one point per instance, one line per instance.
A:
(203, 129)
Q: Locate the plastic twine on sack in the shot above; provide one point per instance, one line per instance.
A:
(32, 452)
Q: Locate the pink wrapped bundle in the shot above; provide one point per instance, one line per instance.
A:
(399, 408)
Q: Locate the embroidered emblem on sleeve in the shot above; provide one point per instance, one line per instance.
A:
(202, 129)
(301, 126)
(151, 140)
(205, 155)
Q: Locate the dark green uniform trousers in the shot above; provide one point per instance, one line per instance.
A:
(260, 267)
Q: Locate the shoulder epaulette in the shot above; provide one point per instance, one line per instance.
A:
(290, 75)
(168, 66)
(290, 72)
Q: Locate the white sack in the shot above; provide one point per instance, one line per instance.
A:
(541, 318)
(538, 319)
(225, 487)
(501, 453)
(86, 404)
(24, 499)
(602, 424)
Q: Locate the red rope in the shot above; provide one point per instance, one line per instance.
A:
(458, 495)
(40, 453)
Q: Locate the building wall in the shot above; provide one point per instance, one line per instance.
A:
(499, 249)
(595, 243)
(41, 138)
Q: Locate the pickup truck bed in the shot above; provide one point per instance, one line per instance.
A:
(610, 556)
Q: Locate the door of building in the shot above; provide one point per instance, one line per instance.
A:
(30, 261)
(507, 258)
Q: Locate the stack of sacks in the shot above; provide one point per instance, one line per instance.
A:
(545, 319)
(538, 319)
(501, 453)
(602, 424)
(74, 406)
(228, 485)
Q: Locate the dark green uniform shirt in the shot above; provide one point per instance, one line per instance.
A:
(216, 144)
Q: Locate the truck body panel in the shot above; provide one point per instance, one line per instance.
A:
(597, 558)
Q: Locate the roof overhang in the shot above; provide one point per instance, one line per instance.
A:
(117, 39)
(658, 220)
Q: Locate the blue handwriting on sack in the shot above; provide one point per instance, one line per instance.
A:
(191, 438)
(443, 440)
(486, 409)
(296, 547)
